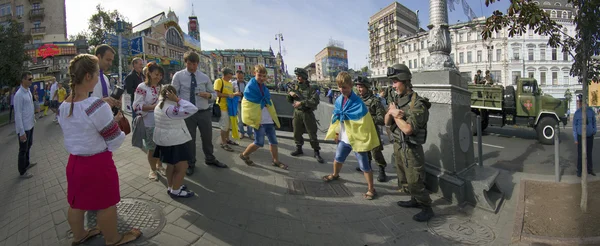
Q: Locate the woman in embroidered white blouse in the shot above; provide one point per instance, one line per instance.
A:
(144, 102)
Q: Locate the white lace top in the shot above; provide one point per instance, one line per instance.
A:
(144, 96)
(91, 129)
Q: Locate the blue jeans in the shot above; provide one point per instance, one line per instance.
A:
(241, 129)
(267, 130)
(344, 149)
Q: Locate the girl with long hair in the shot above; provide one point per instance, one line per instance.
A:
(144, 102)
(91, 135)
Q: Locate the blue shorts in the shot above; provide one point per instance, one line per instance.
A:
(269, 131)
(344, 149)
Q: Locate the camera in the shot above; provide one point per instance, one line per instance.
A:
(116, 94)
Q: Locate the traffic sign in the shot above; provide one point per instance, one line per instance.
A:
(137, 45)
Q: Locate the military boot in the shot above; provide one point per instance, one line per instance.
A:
(318, 156)
(425, 215)
(381, 177)
(412, 203)
(298, 151)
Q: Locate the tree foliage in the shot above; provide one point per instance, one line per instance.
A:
(525, 14)
(102, 22)
(12, 51)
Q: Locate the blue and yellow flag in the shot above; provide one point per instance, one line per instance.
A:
(358, 123)
(232, 112)
(255, 99)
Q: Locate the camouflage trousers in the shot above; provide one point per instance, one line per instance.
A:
(412, 176)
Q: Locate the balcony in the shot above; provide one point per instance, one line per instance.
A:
(36, 14)
(38, 30)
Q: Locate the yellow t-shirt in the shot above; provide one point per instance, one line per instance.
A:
(62, 94)
(227, 89)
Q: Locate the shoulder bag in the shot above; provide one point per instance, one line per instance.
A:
(216, 110)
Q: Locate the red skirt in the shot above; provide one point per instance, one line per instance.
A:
(92, 182)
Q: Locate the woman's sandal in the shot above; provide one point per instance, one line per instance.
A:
(136, 233)
(153, 176)
(280, 165)
(226, 147)
(161, 170)
(330, 177)
(370, 195)
(246, 160)
(232, 143)
(90, 234)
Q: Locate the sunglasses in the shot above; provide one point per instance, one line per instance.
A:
(392, 71)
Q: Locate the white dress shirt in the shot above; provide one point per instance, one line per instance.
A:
(24, 111)
(182, 82)
(98, 88)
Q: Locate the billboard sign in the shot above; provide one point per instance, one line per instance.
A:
(240, 66)
(270, 75)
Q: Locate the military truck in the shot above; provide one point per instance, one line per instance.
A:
(526, 106)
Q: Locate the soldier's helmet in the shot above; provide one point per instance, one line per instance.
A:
(301, 72)
(360, 80)
(399, 72)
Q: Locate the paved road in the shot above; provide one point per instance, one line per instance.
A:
(237, 206)
(517, 150)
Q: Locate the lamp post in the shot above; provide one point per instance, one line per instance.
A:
(119, 29)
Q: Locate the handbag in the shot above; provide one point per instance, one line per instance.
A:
(124, 124)
(216, 110)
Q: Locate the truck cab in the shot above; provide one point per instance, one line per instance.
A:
(526, 106)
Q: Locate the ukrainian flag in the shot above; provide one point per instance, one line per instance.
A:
(357, 121)
(255, 99)
(232, 112)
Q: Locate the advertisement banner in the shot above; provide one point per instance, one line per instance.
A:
(240, 66)
(270, 75)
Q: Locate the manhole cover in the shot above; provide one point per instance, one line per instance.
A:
(133, 213)
(461, 230)
(317, 188)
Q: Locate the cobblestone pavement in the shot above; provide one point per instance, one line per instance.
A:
(239, 206)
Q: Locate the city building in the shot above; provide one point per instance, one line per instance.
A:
(245, 60)
(163, 41)
(51, 60)
(507, 58)
(385, 28)
(312, 72)
(44, 20)
(329, 62)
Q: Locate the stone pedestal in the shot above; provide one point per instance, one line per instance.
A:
(449, 152)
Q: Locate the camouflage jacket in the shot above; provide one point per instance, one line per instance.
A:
(375, 107)
(307, 97)
(416, 114)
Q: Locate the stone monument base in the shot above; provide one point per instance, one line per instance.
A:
(475, 186)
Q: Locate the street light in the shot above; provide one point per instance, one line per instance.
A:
(119, 29)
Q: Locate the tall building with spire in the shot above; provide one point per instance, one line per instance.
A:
(193, 27)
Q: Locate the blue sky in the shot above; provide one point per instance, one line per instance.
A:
(307, 25)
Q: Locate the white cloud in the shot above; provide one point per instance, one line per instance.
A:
(241, 30)
(207, 37)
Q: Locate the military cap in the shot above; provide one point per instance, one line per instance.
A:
(301, 73)
(399, 72)
(360, 80)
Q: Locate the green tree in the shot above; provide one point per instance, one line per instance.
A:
(12, 51)
(101, 23)
(525, 14)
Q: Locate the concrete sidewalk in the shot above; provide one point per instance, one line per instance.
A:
(242, 205)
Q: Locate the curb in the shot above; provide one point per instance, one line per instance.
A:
(520, 236)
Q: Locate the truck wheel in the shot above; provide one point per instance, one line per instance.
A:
(545, 130)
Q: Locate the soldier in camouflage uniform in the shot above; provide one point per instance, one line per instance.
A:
(377, 112)
(408, 115)
(305, 100)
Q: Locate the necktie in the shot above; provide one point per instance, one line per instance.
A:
(193, 89)
(104, 89)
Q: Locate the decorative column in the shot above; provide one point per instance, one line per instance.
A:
(439, 38)
(449, 152)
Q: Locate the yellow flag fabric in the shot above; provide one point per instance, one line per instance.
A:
(252, 113)
(361, 133)
(234, 126)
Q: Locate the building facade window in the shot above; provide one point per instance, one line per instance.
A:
(530, 54)
(554, 78)
(5, 9)
(565, 56)
(542, 54)
(36, 6)
(469, 57)
(461, 58)
(479, 56)
(542, 78)
(516, 55)
(554, 56)
(498, 54)
(19, 10)
(515, 75)
(531, 74)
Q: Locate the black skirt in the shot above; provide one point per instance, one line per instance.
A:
(172, 154)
